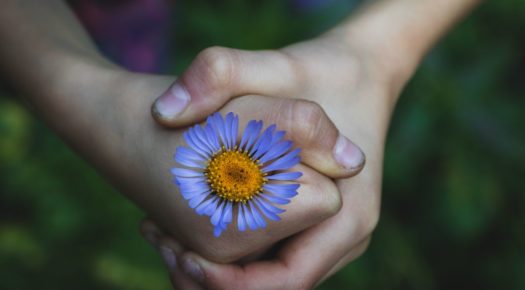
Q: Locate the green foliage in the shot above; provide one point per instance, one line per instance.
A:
(453, 207)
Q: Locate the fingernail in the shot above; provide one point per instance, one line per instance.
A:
(169, 257)
(172, 102)
(193, 269)
(347, 154)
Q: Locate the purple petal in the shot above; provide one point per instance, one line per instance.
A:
(197, 199)
(257, 217)
(189, 153)
(201, 135)
(234, 130)
(212, 207)
(285, 176)
(282, 190)
(270, 207)
(277, 137)
(286, 165)
(181, 172)
(227, 130)
(193, 186)
(276, 151)
(189, 140)
(217, 231)
(218, 125)
(217, 215)
(265, 139)
(265, 145)
(248, 131)
(275, 199)
(190, 180)
(186, 161)
(228, 213)
(254, 134)
(249, 218)
(190, 194)
(199, 140)
(285, 162)
(200, 210)
(241, 222)
(212, 138)
(269, 214)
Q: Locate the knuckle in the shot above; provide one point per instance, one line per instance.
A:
(294, 68)
(308, 122)
(217, 66)
(331, 201)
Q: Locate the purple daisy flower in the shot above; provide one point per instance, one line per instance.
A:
(221, 177)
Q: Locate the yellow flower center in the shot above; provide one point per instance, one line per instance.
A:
(234, 176)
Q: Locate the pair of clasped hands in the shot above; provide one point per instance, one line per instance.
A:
(328, 96)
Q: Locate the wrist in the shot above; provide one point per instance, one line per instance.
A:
(343, 75)
(73, 96)
(370, 77)
(380, 55)
(399, 33)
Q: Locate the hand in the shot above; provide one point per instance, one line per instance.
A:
(100, 110)
(359, 72)
(142, 168)
(357, 89)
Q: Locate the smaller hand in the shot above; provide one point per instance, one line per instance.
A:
(190, 271)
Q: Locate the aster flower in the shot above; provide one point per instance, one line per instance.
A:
(221, 177)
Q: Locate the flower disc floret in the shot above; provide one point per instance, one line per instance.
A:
(234, 176)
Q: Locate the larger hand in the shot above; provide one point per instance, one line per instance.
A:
(356, 90)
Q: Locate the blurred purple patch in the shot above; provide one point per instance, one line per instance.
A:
(134, 33)
(308, 5)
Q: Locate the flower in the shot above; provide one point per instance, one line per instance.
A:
(221, 176)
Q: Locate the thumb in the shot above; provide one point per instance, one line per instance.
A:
(218, 74)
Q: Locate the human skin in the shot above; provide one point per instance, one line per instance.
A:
(103, 112)
(356, 72)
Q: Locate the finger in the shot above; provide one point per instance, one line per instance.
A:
(171, 250)
(150, 232)
(317, 199)
(323, 147)
(181, 281)
(295, 268)
(218, 74)
(231, 276)
(303, 260)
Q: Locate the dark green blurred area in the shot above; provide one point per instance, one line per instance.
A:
(453, 213)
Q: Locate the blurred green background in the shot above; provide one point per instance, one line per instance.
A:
(453, 213)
